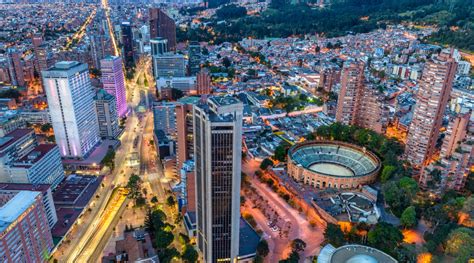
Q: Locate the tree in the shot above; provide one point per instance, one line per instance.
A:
(46, 127)
(387, 172)
(317, 49)
(294, 257)
(266, 163)
(134, 186)
(298, 245)
(262, 248)
(385, 237)
(333, 235)
(226, 62)
(189, 254)
(166, 255)
(176, 94)
(170, 201)
(154, 199)
(460, 243)
(281, 151)
(408, 218)
(163, 239)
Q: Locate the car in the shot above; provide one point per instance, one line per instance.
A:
(275, 228)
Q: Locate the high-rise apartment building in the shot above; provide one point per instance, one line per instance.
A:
(15, 67)
(127, 42)
(373, 111)
(10, 190)
(218, 153)
(194, 50)
(352, 86)
(432, 97)
(113, 80)
(203, 82)
(106, 115)
(455, 133)
(25, 235)
(71, 105)
(161, 25)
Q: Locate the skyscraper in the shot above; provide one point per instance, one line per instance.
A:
(168, 65)
(127, 42)
(106, 115)
(184, 130)
(218, 153)
(352, 85)
(164, 117)
(194, 51)
(114, 82)
(71, 105)
(432, 97)
(16, 67)
(161, 25)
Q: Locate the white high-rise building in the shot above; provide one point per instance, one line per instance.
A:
(71, 105)
(218, 156)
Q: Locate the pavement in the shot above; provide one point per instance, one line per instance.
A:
(291, 222)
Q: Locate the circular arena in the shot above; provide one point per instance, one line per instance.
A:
(332, 164)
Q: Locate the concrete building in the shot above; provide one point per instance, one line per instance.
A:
(15, 68)
(159, 46)
(127, 43)
(161, 25)
(194, 51)
(203, 82)
(352, 86)
(71, 105)
(218, 153)
(433, 95)
(373, 112)
(107, 116)
(168, 65)
(164, 116)
(24, 232)
(184, 130)
(455, 133)
(114, 82)
(45, 189)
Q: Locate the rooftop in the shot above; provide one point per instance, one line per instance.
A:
(35, 155)
(12, 137)
(15, 207)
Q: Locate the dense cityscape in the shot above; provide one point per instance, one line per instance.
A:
(319, 131)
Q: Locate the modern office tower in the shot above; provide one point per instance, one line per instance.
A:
(352, 85)
(159, 46)
(127, 42)
(455, 133)
(194, 51)
(45, 189)
(113, 80)
(169, 65)
(373, 112)
(24, 232)
(71, 105)
(184, 130)
(203, 85)
(161, 25)
(432, 97)
(217, 154)
(15, 67)
(107, 115)
(164, 117)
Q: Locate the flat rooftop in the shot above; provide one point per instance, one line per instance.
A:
(16, 207)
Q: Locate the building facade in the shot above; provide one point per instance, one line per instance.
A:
(127, 43)
(161, 25)
(164, 116)
(107, 116)
(218, 153)
(114, 82)
(194, 51)
(432, 97)
(203, 82)
(25, 235)
(71, 105)
(352, 86)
